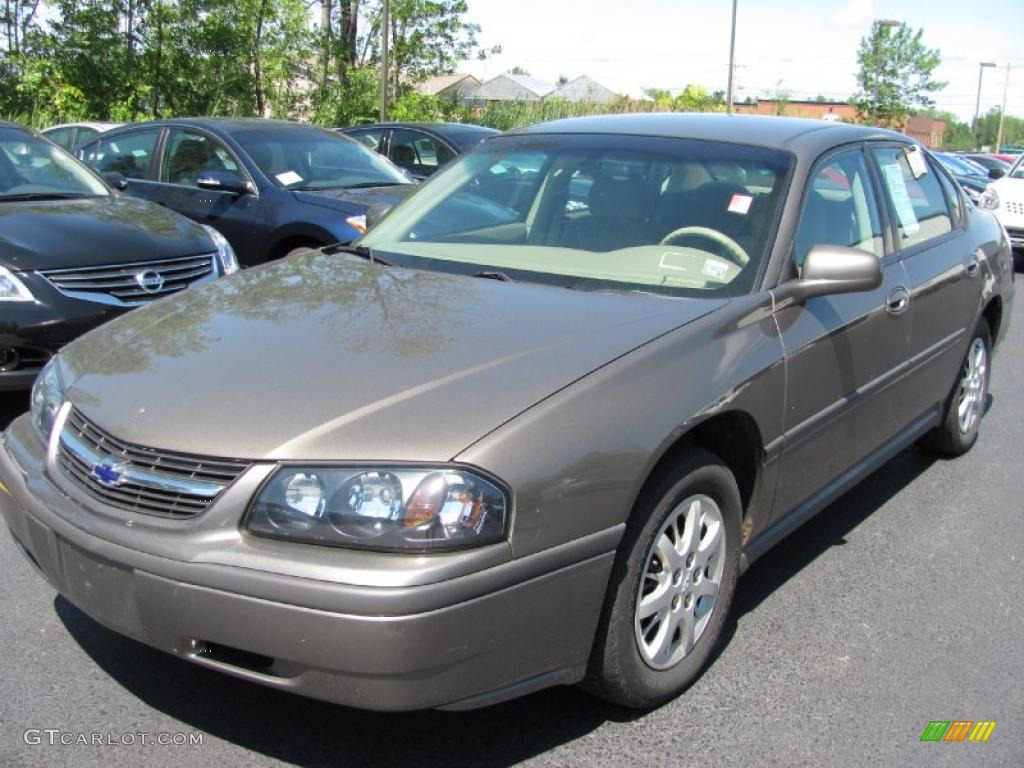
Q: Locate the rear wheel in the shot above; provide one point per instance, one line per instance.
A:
(966, 403)
(671, 586)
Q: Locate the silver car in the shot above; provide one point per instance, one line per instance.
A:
(530, 429)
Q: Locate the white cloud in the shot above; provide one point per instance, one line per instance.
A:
(857, 13)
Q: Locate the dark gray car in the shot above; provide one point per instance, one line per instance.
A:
(531, 429)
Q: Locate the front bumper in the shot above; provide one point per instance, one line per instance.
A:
(446, 641)
(35, 331)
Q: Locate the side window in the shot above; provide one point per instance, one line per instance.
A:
(917, 200)
(418, 152)
(188, 154)
(371, 138)
(128, 154)
(840, 208)
(61, 136)
(85, 134)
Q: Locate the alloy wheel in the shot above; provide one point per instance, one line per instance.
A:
(680, 582)
(973, 386)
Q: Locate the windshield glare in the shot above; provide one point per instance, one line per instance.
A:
(310, 159)
(676, 216)
(33, 166)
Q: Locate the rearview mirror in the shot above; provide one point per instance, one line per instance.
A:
(116, 180)
(831, 269)
(996, 173)
(222, 181)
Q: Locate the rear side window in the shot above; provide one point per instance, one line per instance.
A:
(917, 199)
(372, 138)
(61, 136)
(128, 154)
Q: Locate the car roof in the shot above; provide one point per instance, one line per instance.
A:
(97, 124)
(796, 134)
(226, 124)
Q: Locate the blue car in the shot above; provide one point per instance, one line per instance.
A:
(270, 187)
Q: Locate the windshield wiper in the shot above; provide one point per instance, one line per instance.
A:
(44, 196)
(368, 184)
(362, 251)
(490, 275)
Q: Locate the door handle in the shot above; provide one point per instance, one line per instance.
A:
(898, 301)
(972, 265)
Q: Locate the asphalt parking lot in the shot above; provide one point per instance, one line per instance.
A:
(898, 605)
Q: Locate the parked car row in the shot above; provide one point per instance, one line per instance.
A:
(529, 430)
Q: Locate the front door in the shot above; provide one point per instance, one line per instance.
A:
(844, 353)
(187, 154)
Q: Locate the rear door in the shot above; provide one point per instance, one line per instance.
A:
(943, 270)
(844, 353)
(187, 154)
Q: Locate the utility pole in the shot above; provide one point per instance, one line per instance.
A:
(977, 104)
(732, 54)
(1002, 112)
(385, 26)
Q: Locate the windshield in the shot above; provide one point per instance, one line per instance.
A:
(675, 216)
(959, 166)
(32, 168)
(306, 158)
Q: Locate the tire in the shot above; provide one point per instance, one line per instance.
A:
(958, 432)
(639, 660)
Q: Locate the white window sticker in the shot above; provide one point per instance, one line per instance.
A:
(288, 178)
(740, 204)
(901, 199)
(915, 158)
(715, 269)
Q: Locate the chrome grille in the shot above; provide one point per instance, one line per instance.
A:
(123, 283)
(150, 481)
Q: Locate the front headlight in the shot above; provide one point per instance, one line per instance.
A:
(396, 509)
(226, 258)
(989, 199)
(47, 398)
(11, 288)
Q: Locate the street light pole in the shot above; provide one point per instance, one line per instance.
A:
(732, 54)
(977, 104)
(385, 24)
(1002, 112)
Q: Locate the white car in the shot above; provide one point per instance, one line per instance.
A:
(71, 135)
(1005, 198)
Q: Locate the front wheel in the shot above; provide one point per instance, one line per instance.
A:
(671, 586)
(966, 403)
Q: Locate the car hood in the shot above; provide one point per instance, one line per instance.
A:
(356, 201)
(323, 357)
(1009, 189)
(56, 234)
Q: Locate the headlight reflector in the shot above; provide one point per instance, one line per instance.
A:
(989, 200)
(383, 508)
(11, 288)
(47, 398)
(226, 258)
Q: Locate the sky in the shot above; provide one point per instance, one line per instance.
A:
(804, 47)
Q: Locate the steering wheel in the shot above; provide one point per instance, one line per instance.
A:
(733, 249)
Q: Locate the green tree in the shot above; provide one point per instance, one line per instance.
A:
(895, 74)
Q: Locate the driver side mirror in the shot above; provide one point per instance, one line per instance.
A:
(996, 173)
(223, 181)
(832, 269)
(116, 180)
